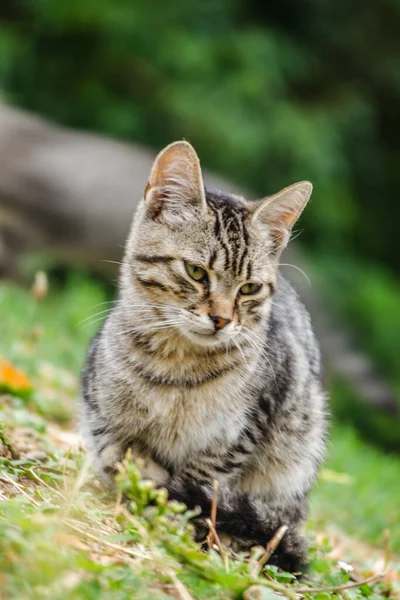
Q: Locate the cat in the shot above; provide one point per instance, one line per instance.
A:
(207, 366)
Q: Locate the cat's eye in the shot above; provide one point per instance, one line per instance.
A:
(197, 273)
(250, 288)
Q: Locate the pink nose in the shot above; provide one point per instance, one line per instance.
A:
(219, 322)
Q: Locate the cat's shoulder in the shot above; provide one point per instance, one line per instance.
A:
(288, 310)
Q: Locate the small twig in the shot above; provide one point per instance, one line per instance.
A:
(214, 503)
(273, 544)
(387, 547)
(118, 501)
(218, 542)
(210, 537)
(339, 588)
(180, 588)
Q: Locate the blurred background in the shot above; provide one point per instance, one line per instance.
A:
(268, 93)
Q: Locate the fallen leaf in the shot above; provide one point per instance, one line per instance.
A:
(12, 380)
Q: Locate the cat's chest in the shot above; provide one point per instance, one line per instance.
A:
(182, 422)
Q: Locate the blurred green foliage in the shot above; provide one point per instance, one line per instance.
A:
(268, 92)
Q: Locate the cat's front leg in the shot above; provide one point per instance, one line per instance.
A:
(107, 458)
(246, 520)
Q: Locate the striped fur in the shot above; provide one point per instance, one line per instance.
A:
(242, 404)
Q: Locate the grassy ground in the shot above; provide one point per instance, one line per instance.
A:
(63, 537)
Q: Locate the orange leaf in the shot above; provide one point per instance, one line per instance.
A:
(12, 379)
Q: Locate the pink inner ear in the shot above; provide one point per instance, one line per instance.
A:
(176, 166)
(284, 208)
(159, 196)
(147, 188)
(281, 211)
(175, 190)
(280, 225)
(288, 218)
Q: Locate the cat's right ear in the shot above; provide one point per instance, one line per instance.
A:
(281, 211)
(175, 190)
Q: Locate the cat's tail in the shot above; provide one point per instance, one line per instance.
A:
(247, 520)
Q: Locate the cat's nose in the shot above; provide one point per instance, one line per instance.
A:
(219, 322)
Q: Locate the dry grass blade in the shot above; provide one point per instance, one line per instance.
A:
(182, 591)
(21, 490)
(46, 485)
(214, 502)
(210, 537)
(273, 544)
(255, 592)
(218, 542)
(81, 479)
(99, 540)
(340, 588)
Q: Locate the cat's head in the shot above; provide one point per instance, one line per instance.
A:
(202, 262)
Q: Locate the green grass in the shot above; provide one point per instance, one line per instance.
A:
(368, 502)
(62, 540)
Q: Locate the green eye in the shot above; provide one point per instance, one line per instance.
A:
(250, 288)
(197, 273)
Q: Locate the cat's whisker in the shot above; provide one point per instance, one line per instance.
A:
(112, 262)
(92, 323)
(307, 278)
(263, 353)
(150, 307)
(297, 234)
(148, 326)
(161, 324)
(105, 302)
(91, 320)
(95, 315)
(151, 311)
(157, 326)
(241, 351)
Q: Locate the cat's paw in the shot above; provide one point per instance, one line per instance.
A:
(291, 554)
(151, 470)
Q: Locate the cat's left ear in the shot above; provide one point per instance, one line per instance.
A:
(281, 211)
(175, 189)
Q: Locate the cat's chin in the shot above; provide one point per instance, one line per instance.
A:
(204, 339)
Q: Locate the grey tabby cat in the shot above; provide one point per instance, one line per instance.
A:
(207, 367)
